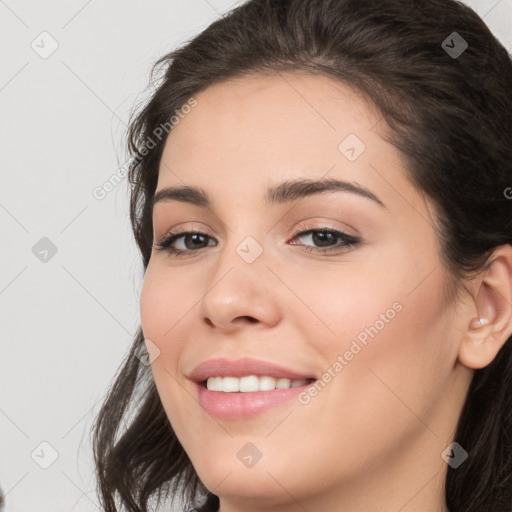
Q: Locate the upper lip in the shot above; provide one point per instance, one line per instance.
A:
(222, 367)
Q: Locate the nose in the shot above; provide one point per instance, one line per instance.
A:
(243, 294)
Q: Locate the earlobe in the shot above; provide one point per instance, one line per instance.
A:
(476, 323)
(489, 331)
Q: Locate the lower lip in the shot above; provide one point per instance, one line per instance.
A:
(243, 405)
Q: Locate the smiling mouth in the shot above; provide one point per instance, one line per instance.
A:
(252, 383)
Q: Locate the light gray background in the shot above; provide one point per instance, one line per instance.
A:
(67, 323)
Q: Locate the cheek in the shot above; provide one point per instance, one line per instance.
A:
(346, 303)
(396, 359)
(163, 314)
(393, 371)
(162, 308)
(388, 311)
(382, 339)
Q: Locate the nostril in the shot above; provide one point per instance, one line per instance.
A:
(249, 318)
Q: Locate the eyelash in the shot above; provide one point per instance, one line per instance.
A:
(348, 241)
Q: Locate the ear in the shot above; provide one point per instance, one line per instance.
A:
(482, 342)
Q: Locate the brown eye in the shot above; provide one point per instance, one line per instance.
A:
(324, 239)
(193, 240)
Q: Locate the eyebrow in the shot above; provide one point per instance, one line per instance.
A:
(287, 191)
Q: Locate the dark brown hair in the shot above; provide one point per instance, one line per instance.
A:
(449, 115)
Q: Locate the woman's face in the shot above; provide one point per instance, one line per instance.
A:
(366, 318)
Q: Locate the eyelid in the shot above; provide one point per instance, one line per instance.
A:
(184, 227)
(323, 226)
(320, 223)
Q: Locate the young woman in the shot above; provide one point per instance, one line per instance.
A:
(322, 197)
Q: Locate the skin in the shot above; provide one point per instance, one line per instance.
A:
(372, 438)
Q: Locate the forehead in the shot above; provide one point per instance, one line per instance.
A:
(248, 133)
(279, 112)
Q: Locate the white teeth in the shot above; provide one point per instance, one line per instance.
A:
(266, 383)
(230, 384)
(251, 383)
(283, 383)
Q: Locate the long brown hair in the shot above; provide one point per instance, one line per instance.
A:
(451, 118)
